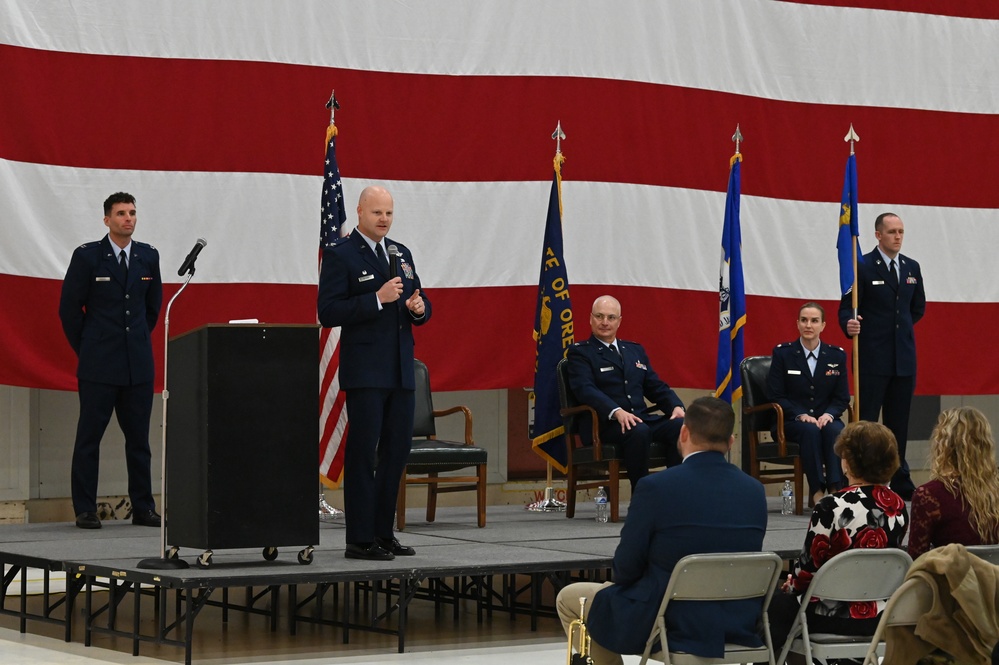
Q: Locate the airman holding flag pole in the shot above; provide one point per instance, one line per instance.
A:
(554, 334)
(880, 313)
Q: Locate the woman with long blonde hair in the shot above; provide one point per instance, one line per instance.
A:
(960, 503)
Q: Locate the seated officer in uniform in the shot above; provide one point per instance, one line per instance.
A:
(615, 378)
(808, 379)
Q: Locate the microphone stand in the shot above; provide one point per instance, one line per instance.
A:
(166, 560)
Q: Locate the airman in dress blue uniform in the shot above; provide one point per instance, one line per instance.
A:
(110, 303)
(376, 314)
(808, 380)
(615, 377)
(890, 301)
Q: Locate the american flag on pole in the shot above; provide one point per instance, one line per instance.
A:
(332, 411)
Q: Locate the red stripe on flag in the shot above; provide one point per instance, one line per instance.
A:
(330, 411)
(469, 344)
(988, 9)
(423, 121)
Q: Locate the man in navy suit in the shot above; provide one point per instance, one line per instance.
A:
(110, 303)
(890, 300)
(376, 305)
(704, 505)
(615, 377)
(808, 380)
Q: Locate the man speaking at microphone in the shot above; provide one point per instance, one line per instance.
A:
(110, 302)
(375, 298)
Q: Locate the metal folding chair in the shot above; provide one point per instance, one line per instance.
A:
(722, 576)
(851, 576)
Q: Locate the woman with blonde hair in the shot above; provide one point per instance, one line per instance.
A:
(960, 503)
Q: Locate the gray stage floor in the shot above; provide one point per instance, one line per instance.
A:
(513, 540)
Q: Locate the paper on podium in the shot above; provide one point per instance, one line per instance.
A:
(244, 321)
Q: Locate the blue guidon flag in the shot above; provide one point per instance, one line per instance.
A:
(731, 294)
(848, 230)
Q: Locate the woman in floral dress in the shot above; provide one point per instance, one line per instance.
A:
(864, 514)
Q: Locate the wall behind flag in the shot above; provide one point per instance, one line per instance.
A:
(217, 140)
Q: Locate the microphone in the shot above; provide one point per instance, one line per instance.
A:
(394, 255)
(188, 264)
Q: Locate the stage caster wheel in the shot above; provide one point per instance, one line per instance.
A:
(173, 553)
(305, 556)
(270, 553)
(205, 559)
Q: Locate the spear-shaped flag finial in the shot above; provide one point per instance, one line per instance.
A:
(558, 135)
(852, 137)
(737, 137)
(332, 105)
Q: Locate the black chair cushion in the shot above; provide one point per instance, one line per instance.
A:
(427, 456)
(584, 454)
(769, 452)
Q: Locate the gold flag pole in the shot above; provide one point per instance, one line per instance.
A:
(549, 504)
(852, 138)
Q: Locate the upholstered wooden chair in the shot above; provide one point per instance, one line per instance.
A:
(596, 464)
(430, 456)
(760, 416)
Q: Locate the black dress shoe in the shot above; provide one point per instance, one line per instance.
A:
(146, 518)
(394, 546)
(370, 552)
(88, 521)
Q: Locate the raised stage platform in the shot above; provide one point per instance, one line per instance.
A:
(514, 565)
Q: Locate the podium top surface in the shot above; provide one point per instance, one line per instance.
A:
(253, 326)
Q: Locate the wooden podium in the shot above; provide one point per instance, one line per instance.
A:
(243, 437)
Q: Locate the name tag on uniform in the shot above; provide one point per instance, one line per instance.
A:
(606, 369)
(794, 371)
(877, 282)
(102, 279)
(365, 278)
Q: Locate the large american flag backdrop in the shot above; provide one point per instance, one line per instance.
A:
(212, 114)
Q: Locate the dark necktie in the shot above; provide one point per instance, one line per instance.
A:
(812, 362)
(380, 252)
(894, 273)
(123, 265)
(616, 350)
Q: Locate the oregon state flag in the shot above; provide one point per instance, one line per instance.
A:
(552, 332)
(731, 293)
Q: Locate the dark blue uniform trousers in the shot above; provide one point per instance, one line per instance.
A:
(132, 406)
(379, 436)
(891, 398)
(817, 451)
(636, 442)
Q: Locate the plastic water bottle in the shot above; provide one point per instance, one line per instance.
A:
(600, 501)
(787, 499)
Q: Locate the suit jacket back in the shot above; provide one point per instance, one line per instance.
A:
(704, 505)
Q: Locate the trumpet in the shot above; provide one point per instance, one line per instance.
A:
(578, 633)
